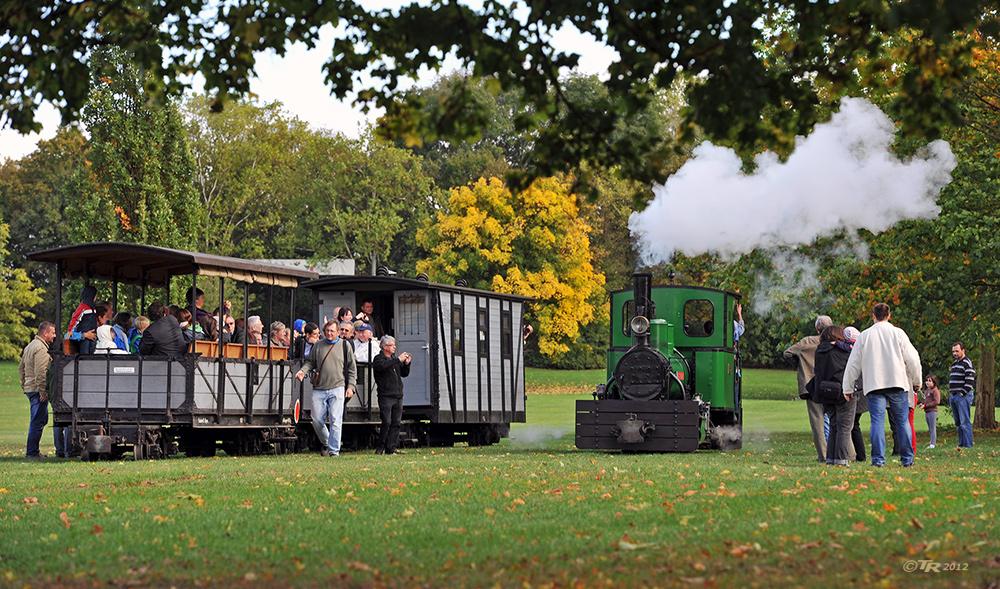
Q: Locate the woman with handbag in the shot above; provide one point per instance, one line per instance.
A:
(831, 360)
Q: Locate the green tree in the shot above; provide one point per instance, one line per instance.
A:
(364, 201)
(137, 182)
(49, 42)
(32, 197)
(248, 174)
(17, 296)
(491, 150)
(534, 243)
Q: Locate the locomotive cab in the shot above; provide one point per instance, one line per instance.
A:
(673, 382)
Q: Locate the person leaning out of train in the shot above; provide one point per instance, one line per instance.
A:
(335, 382)
(135, 334)
(305, 342)
(367, 315)
(163, 337)
(366, 346)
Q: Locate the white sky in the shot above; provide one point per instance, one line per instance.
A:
(296, 80)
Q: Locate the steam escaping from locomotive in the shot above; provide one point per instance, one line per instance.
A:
(843, 176)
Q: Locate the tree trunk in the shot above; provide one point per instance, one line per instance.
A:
(985, 384)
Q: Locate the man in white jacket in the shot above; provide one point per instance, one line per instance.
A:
(889, 367)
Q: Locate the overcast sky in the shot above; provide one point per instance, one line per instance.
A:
(296, 80)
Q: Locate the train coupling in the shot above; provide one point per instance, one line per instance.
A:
(632, 430)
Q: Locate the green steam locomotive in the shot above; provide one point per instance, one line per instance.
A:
(674, 375)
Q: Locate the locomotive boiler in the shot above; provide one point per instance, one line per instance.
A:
(674, 378)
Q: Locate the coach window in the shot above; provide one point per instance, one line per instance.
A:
(482, 330)
(699, 315)
(457, 322)
(628, 312)
(506, 335)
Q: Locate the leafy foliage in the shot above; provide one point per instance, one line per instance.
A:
(49, 43)
(247, 174)
(33, 199)
(17, 296)
(533, 243)
(365, 200)
(137, 184)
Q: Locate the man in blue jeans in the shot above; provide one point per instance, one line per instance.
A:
(34, 364)
(333, 358)
(889, 367)
(961, 386)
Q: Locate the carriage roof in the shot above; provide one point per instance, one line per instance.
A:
(133, 263)
(391, 283)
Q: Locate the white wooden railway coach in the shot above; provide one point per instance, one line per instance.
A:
(466, 379)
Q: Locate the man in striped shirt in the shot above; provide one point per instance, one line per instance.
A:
(961, 386)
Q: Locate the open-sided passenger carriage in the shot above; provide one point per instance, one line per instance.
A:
(241, 397)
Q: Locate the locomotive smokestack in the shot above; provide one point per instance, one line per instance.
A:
(642, 293)
(642, 288)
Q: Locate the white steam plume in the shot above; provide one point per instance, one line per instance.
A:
(843, 176)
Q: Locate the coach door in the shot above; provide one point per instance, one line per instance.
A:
(412, 331)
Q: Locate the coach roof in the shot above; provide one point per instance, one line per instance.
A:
(133, 263)
(391, 283)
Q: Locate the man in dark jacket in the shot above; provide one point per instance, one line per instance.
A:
(163, 337)
(389, 373)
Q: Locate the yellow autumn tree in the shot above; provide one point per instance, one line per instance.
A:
(533, 244)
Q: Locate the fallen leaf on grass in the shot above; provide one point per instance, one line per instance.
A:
(29, 501)
(96, 530)
(65, 519)
(888, 506)
(916, 523)
(741, 551)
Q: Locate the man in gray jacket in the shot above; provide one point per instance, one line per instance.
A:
(34, 364)
(802, 356)
(333, 358)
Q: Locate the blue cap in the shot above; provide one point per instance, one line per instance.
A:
(299, 325)
(365, 327)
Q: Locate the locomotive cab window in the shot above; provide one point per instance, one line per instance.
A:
(628, 312)
(699, 318)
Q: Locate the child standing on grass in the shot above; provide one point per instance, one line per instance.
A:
(932, 398)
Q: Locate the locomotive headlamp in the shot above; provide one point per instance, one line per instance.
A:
(639, 325)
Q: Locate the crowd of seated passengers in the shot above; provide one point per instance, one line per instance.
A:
(95, 329)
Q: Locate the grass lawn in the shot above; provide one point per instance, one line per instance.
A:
(530, 511)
